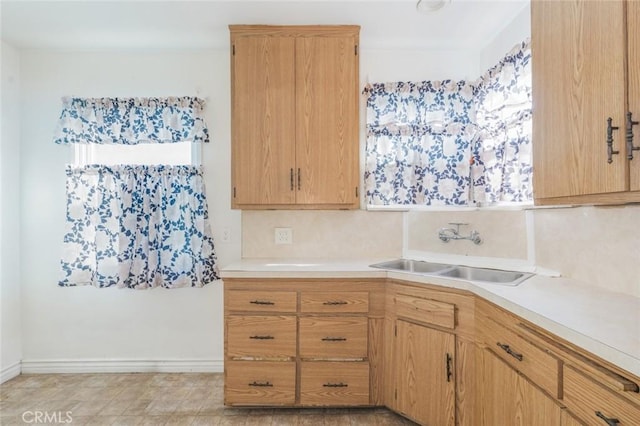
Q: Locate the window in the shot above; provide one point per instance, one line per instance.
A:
(179, 153)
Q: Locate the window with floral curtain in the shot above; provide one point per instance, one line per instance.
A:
(452, 143)
(135, 226)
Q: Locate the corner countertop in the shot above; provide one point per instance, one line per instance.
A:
(602, 322)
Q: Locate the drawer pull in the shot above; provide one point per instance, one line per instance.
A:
(335, 302)
(510, 351)
(261, 302)
(608, 420)
(261, 384)
(449, 372)
(334, 339)
(262, 337)
(335, 385)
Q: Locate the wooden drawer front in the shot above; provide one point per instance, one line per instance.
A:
(260, 383)
(261, 301)
(533, 362)
(334, 383)
(584, 398)
(425, 310)
(334, 302)
(333, 338)
(254, 336)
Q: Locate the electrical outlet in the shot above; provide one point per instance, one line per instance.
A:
(283, 236)
(226, 234)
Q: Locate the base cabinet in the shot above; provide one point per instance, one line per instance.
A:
(507, 398)
(424, 374)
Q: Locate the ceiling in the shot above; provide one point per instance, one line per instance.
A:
(182, 24)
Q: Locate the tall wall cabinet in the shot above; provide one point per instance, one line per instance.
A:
(294, 93)
(586, 69)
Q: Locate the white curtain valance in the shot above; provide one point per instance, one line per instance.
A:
(130, 121)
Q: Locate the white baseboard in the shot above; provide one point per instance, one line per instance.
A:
(10, 372)
(121, 366)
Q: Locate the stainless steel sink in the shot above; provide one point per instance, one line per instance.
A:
(466, 273)
(415, 266)
(486, 275)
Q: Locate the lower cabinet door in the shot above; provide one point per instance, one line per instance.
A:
(260, 383)
(507, 398)
(334, 383)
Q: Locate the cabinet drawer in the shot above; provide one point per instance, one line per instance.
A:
(260, 383)
(260, 337)
(425, 310)
(261, 301)
(333, 338)
(586, 399)
(334, 302)
(533, 362)
(334, 383)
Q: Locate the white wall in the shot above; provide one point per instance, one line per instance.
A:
(515, 32)
(10, 318)
(62, 323)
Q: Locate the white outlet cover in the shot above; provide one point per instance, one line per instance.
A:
(283, 236)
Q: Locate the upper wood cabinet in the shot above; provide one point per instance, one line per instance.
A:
(586, 68)
(294, 92)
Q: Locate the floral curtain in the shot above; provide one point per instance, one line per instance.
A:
(130, 121)
(452, 143)
(137, 227)
(502, 153)
(419, 138)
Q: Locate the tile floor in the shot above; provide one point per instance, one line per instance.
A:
(155, 399)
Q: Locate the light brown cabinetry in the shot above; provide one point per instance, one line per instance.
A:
(303, 342)
(294, 116)
(586, 69)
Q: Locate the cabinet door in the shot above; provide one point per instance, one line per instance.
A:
(423, 389)
(578, 82)
(633, 34)
(506, 398)
(263, 115)
(327, 120)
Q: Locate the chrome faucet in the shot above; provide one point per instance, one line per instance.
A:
(448, 234)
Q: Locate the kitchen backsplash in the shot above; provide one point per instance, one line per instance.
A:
(597, 245)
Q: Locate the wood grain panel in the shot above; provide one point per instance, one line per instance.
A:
(334, 383)
(327, 121)
(578, 82)
(584, 398)
(333, 337)
(261, 301)
(261, 337)
(567, 419)
(424, 393)
(270, 383)
(334, 302)
(263, 120)
(426, 311)
(376, 361)
(633, 59)
(466, 373)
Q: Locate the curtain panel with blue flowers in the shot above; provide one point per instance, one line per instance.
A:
(137, 227)
(452, 143)
(130, 121)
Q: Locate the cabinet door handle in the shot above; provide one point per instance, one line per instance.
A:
(262, 337)
(262, 302)
(510, 351)
(629, 136)
(261, 384)
(610, 151)
(610, 421)
(299, 179)
(335, 302)
(291, 177)
(449, 372)
(334, 339)
(336, 385)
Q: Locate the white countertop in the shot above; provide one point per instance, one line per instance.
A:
(605, 323)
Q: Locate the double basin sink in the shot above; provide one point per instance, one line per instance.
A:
(466, 273)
